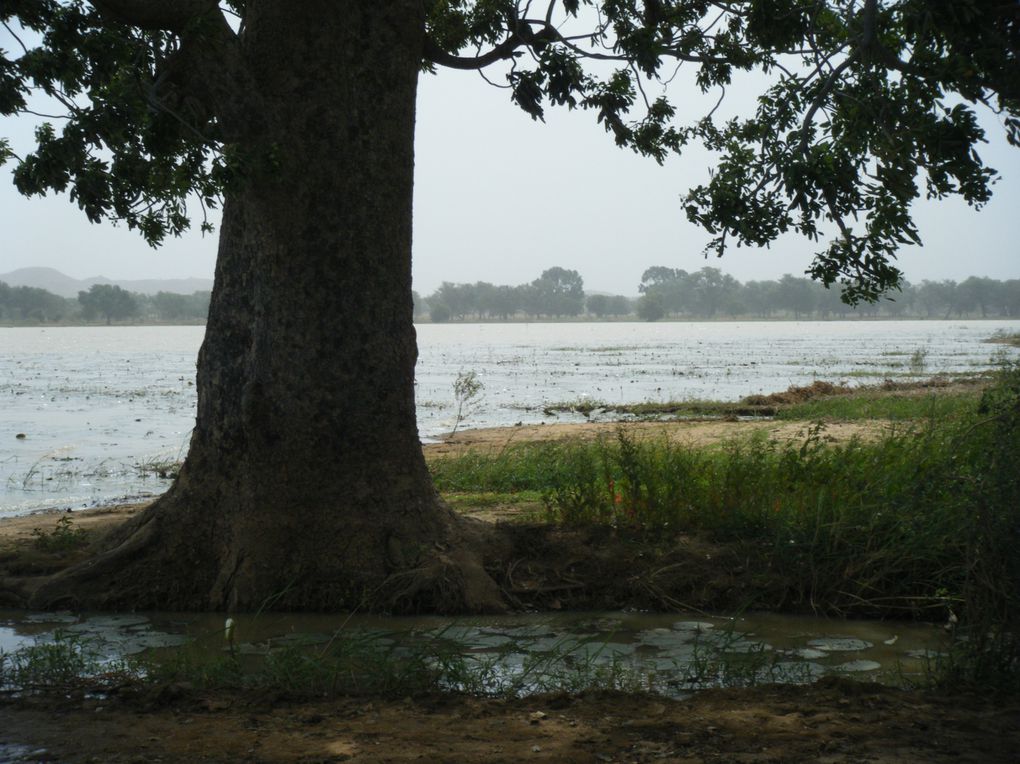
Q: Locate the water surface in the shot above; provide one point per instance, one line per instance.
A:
(103, 410)
(674, 653)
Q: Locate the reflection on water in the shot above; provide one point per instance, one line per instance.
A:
(669, 652)
(104, 410)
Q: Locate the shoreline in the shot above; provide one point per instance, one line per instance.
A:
(565, 320)
(705, 432)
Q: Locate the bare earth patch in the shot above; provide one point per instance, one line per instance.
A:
(694, 433)
(16, 531)
(833, 721)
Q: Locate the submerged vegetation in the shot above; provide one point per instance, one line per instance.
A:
(907, 400)
(66, 663)
(359, 662)
(1006, 338)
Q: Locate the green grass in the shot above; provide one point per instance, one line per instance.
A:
(820, 400)
(63, 538)
(487, 499)
(923, 522)
(882, 406)
(868, 528)
(516, 468)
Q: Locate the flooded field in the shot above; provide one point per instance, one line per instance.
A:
(669, 653)
(95, 414)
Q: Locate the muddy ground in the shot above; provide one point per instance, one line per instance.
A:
(692, 433)
(833, 721)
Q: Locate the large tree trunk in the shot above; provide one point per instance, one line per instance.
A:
(305, 485)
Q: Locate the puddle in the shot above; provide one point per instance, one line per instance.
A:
(13, 753)
(669, 655)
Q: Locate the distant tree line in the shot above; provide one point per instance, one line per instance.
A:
(664, 293)
(557, 293)
(709, 293)
(102, 303)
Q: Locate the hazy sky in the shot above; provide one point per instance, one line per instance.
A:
(500, 198)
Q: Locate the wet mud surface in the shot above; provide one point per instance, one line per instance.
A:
(833, 721)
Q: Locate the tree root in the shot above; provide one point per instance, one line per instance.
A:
(167, 558)
(84, 583)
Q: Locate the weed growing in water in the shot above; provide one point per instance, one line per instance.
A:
(68, 662)
(919, 361)
(1005, 338)
(466, 388)
(391, 665)
(165, 468)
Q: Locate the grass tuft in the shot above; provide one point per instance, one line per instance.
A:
(64, 537)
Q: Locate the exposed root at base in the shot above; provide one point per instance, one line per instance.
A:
(157, 560)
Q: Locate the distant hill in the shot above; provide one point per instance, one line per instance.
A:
(54, 281)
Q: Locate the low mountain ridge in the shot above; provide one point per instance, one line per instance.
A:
(54, 281)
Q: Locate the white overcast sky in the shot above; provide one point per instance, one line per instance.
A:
(499, 198)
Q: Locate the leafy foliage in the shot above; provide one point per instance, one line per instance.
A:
(107, 300)
(129, 148)
(864, 107)
(867, 105)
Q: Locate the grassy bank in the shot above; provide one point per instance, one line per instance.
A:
(923, 522)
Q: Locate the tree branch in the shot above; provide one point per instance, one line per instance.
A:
(436, 55)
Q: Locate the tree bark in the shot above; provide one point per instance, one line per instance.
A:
(305, 485)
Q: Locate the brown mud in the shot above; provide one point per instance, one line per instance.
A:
(833, 721)
(693, 433)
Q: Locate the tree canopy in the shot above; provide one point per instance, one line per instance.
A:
(867, 105)
(107, 300)
(305, 486)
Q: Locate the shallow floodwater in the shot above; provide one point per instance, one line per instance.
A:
(673, 653)
(94, 414)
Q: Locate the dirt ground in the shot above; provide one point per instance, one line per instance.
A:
(833, 721)
(694, 433)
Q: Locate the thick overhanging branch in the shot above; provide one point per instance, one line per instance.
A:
(168, 15)
(436, 55)
(205, 79)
